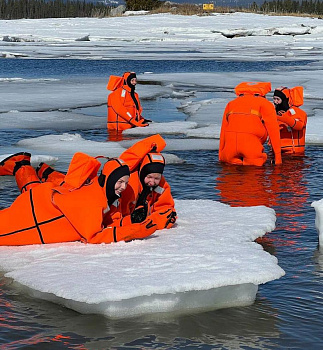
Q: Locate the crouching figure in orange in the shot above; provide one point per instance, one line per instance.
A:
(247, 122)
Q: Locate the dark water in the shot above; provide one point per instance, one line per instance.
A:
(31, 68)
(287, 313)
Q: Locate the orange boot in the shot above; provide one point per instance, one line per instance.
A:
(8, 165)
(47, 174)
(26, 177)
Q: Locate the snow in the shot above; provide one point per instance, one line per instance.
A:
(206, 263)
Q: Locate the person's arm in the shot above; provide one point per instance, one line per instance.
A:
(294, 118)
(116, 102)
(128, 233)
(135, 154)
(163, 209)
(269, 118)
(164, 218)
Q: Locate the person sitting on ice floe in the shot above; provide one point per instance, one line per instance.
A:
(124, 108)
(247, 122)
(72, 211)
(292, 120)
(148, 195)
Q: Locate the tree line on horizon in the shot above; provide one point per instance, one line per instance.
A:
(36, 9)
(313, 7)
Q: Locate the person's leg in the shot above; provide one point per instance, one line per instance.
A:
(230, 152)
(19, 166)
(7, 165)
(47, 174)
(252, 150)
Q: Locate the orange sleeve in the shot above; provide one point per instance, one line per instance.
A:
(164, 218)
(269, 118)
(162, 208)
(134, 154)
(127, 233)
(294, 117)
(165, 200)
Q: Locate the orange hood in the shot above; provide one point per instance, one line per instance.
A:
(253, 88)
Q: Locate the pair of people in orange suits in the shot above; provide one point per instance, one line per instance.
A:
(250, 120)
(124, 108)
(78, 206)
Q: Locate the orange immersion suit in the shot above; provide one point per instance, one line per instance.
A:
(292, 121)
(124, 108)
(144, 158)
(73, 211)
(247, 122)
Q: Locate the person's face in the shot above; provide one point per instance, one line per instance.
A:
(133, 81)
(277, 100)
(152, 179)
(121, 184)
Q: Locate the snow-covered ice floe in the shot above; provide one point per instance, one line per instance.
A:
(318, 206)
(207, 261)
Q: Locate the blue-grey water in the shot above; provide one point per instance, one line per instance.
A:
(287, 313)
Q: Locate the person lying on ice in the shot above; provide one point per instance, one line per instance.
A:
(247, 122)
(292, 120)
(124, 108)
(72, 211)
(148, 195)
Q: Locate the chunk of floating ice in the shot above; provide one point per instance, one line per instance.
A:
(170, 128)
(35, 159)
(318, 206)
(209, 260)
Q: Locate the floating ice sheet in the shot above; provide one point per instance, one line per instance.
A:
(318, 206)
(204, 262)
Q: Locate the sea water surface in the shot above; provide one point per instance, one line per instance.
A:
(287, 313)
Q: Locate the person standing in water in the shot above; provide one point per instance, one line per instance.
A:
(124, 108)
(247, 122)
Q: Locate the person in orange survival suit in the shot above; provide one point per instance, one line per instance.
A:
(124, 108)
(148, 195)
(72, 211)
(292, 120)
(247, 122)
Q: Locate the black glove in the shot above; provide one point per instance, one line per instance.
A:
(139, 214)
(171, 218)
(147, 121)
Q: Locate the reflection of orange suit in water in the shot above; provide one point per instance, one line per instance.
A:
(247, 122)
(269, 186)
(292, 120)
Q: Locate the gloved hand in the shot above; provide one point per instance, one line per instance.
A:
(172, 216)
(141, 123)
(136, 231)
(164, 219)
(147, 228)
(139, 214)
(147, 120)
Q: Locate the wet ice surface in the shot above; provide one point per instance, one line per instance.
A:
(164, 273)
